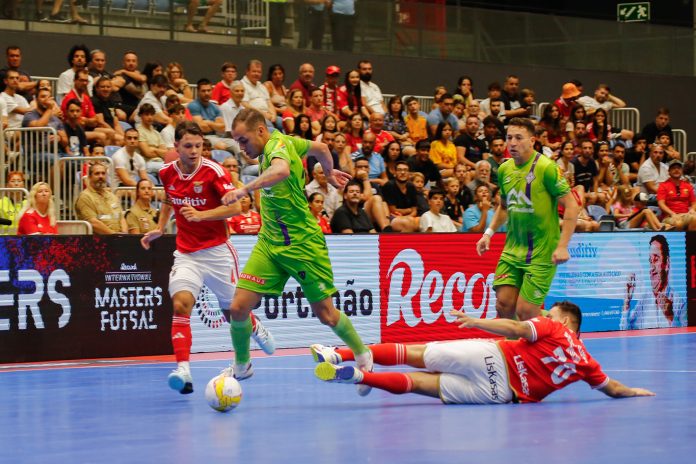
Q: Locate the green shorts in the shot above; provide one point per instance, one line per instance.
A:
(270, 266)
(533, 280)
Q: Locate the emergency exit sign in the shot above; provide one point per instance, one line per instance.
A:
(633, 12)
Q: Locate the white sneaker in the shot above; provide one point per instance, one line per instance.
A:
(342, 374)
(365, 363)
(238, 371)
(180, 380)
(322, 353)
(263, 338)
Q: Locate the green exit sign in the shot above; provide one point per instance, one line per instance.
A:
(633, 12)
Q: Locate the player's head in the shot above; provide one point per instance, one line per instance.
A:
(568, 314)
(520, 139)
(250, 131)
(659, 262)
(188, 141)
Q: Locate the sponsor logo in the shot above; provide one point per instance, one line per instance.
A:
(583, 250)
(129, 267)
(228, 187)
(522, 373)
(492, 374)
(252, 278)
(128, 300)
(519, 201)
(171, 187)
(190, 201)
(530, 177)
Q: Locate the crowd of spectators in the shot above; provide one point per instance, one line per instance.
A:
(414, 169)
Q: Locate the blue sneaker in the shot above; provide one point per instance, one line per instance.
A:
(342, 374)
(263, 338)
(322, 353)
(180, 380)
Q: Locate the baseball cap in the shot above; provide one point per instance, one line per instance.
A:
(570, 90)
(675, 162)
(333, 71)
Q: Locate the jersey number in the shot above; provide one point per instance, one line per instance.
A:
(564, 369)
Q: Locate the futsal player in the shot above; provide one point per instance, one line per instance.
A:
(204, 254)
(547, 356)
(531, 186)
(290, 242)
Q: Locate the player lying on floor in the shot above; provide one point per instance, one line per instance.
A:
(547, 357)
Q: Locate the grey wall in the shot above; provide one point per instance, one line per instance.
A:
(44, 54)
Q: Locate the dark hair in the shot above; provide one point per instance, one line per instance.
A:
(354, 92)
(272, 69)
(576, 108)
(398, 115)
(149, 68)
(311, 197)
(131, 129)
(297, 131)
(187, 127)
(353, 182)
(522, 122)
(441, 127)
(408, 100)
(602, 134)
(402, 161)
(661, 133)
(435, 191)
(12, 47)
(250, 117)
(100, 79)
(160, 80)
(662, 240)
(662, 110)
(203, 81)
(447, 96)
(498, 136)
(228, 64)
(137, 186)
(421, 144)
(146, 108)
(572, 310)
(495, 86)
(176, 108)
(385, 152)
(563, 145)
(77, 48)
(71, 102)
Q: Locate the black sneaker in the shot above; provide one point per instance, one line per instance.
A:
(40, 16)
(59, 18)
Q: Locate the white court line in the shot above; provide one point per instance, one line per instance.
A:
(650, 370)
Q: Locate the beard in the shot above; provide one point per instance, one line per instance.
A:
(367, 77)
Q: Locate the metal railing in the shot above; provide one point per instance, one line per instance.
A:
(624, 118)
(32, 150)
(679, 141)
(691, 156)
(74, 227)
(7, 191)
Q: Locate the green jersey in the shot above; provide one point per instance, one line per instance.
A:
(531, 193)
(285, 215)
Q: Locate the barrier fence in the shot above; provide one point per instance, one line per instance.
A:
(32, 150)
(12, 195)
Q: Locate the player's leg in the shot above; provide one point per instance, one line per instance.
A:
(535, 286)
(507, 282)
(384, 354)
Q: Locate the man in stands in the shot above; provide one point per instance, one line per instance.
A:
(482, 176)
(97, 130)
(13, 56)
(305, 82)
(46, 114)
(497, 152)
(316, 110)
(99, 206)
(511, 99)
(382, 137)
(378, 170)
(635, 156)
(443, 113)
(660, 124)
(470, 149)
(421, 162)
(401, 197)
(332, 198)
(129, 165)
(588, 175)
(255, 93)
(652, 172)
(676, 199)
(151, 143)
(566, 102)
(416, 123)
(16, 106)
(603, 98)
(221, 91)
(107, 108)
(350, 218)
(329, 89)
(157, 88)
(129, 83)
(207, 115)
(97, 65)
(374, 100)
(78, 58)
(233, 104)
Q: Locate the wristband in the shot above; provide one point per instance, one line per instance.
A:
(490, 232)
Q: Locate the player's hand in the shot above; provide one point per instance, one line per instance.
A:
(150, 237)
(463, 321)
(190, 213)
(560, 255)
(483, 245)
(234, 196)
(642, 392)
(338, 178)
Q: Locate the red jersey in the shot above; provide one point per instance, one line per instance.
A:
(33, 223)
(221, 93)
(330, 98)
(553, 359)
(677, 197)
(381, 139)
(203, 189)
(248, 223)
(85, 104)
(344, 100)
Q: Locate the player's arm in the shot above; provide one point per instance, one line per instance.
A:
(278, 171)
(616, 389)
(570, 219)
(499, 218)
(191, 214)
(321, 152)
(154, 234)
(505, 327)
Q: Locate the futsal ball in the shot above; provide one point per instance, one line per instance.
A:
(223, 393)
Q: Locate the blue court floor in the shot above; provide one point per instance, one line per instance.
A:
(119, 412)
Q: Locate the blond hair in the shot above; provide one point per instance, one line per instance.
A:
(31, 203)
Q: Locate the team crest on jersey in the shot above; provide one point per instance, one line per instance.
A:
(198, 186)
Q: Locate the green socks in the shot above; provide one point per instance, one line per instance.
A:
(241, 333)
(346, 332)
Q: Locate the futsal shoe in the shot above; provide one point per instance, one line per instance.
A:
(180, 380)
(263, 338)
(322, 353)
(365, 363)
(238, 371)
(341, 374)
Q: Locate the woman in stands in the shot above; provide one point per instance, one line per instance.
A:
(38, 217)
(599, 129)
(565, 162)
(12, 203)
(178, 85)
(303, 127)
(329, 123)
(275, 84)
(394, 122)
(316, 207)
(629, 215)
(551, 121)
(295, 106)
(392, 154)
(578, 113)
(349, 97)
(442, 151)
(344, 160)
(354, 132)
(142, 217)
(465, 88)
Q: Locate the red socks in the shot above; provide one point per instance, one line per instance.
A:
(384, 354)
(181, 337)
(393, 382)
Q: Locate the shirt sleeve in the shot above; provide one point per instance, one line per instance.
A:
(223, 184)
(554, 181)
(471, 219)
(340, 221)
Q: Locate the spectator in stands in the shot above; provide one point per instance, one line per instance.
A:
(378, 171)
(566, 102)
(129, 164)
(689, 169)
(342, 19)
(470, 149)
(191, 11)
(433, 220)
(332, 198)
(374, 101)
(479, 215)
(96, 128)
(354, 131)
(676, 199)
(528, 101)
(494, 93)
(276, 87)
(97, 65)
(316, 207)
(13, 57)
(328, 137)
(78, 58)
(152, 69)
(587, 174)
(482, 176)
(255, 94)
(328, 124)
(221, 90)
(232, 106)
(129, 82)
(209, 118)
(177, 114)
(303, 127)
(350, 99)
(107, 109)
(232, 165)
(635, 156)
(541, 144)
(464, 175)
(630, 216)
(77, 144)
(416, 123)
(422, 163)
(617, 171)
(439, 92)
(565, 162)
(511, 98)
(376, 127)
(392, 154)
(295, 106)
(16, 106)
(248, 221)
(151, 143)
(11, 203)
(329, 90)
(497, 152)
(394, 122)
(99, 206)
(442, 151)
(453, 208)
(142, 217)
(38, 217)
(660, 124)
(602, 99)
(663, 138)
(418, 180)
(465, 89)
(351, 218)
(341, 147)
(153, 97)
(374, 205)
(316, 110)
(599, 129)
(401, 197)
(305, 82)
(652, 172)
(551, 121)
(443, 113)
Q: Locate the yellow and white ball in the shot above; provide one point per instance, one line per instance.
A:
(223, 393)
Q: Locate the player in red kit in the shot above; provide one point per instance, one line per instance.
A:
(204, 254)
(547, 357)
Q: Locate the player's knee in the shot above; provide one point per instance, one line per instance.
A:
(505, 309)
(181, 307)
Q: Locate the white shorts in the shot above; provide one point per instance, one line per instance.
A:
(472, 371)
(216, 267)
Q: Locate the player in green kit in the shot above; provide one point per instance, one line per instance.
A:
(531, 186)
(290, 242)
